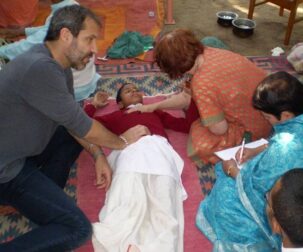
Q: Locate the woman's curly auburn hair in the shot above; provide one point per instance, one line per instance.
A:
(176, 52)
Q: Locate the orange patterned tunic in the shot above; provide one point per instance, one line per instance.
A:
(222, 88)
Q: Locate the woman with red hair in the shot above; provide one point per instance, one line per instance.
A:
(222, 84)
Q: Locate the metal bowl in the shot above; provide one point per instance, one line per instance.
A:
(243, 27)
(225, 18)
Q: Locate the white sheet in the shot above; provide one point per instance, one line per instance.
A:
(144, 205)
(149, 155)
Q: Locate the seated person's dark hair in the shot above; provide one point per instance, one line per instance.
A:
(287, 205)
(71, 17)
(279, 92)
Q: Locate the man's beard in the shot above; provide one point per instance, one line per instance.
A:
(76, 58)
(78, 63)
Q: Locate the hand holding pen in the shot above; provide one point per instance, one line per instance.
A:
(242, 154)
(248, 153)
(242, 149)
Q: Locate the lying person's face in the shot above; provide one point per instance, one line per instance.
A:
(130, 95)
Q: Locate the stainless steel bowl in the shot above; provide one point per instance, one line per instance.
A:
(225, 18)
(243, 27)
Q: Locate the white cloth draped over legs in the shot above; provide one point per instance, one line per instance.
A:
(144, 206)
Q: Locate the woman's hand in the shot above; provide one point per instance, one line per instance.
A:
(100, 99)
(103, 173)
(149, 108)
(219, 128)
(230, 168)
(180, 100)
(249, 153)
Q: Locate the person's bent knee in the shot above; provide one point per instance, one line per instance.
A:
(78, 230)
(83, 230)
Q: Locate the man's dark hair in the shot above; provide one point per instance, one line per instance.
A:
(287, 205)
(279, 92)
(71, 17)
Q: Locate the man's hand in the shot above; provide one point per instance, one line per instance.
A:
(103, 173)
(100, 99)
(134, 133)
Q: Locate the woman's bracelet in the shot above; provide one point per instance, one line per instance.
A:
(124, 140)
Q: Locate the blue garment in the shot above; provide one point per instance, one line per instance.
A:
(83, 92)
(36, 193)
(233, 216)
(36, 35)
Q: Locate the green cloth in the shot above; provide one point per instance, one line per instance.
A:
(129, 45)
(214, 42)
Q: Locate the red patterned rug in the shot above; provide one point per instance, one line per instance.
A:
(13, 224)
(148, 77)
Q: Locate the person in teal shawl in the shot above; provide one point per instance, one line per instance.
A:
(233, 216)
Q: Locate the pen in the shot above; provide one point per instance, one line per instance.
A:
(242, 149)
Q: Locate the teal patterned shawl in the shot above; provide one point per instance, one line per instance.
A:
(233, 216)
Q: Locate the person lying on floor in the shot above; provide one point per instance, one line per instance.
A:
(85, 80)
(284, 210)
(146, 193)
(233, 216)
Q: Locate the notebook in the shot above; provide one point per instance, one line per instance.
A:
(230, 153)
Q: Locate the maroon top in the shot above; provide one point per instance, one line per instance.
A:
(119, 121)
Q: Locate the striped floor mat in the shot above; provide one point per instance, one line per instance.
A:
(151, 81)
